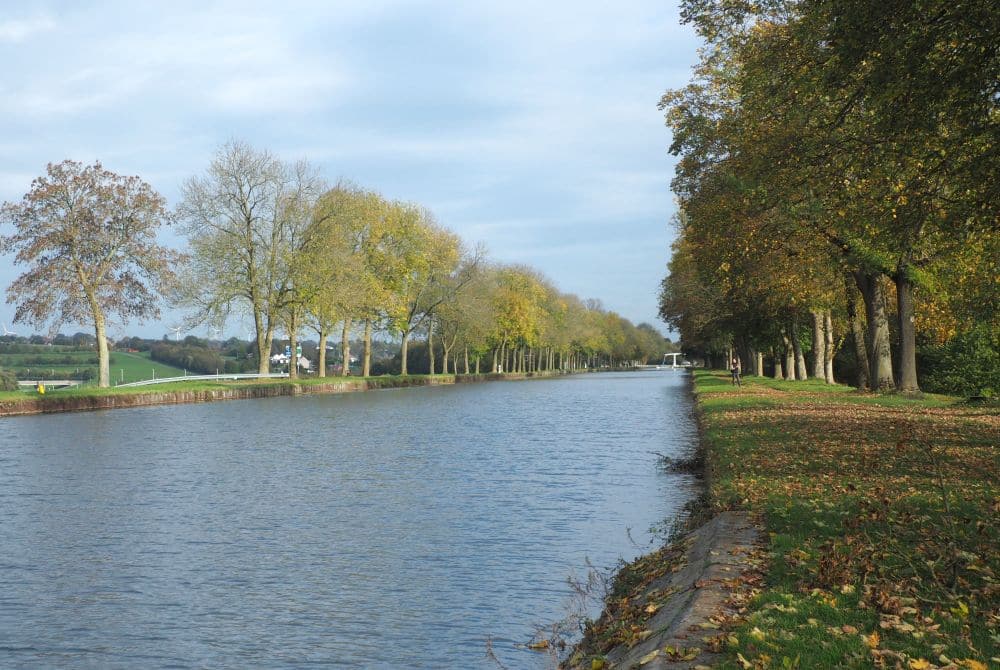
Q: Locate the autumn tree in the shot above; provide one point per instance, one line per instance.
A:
(435, 268)
(88, 237)
(244, 219)
(866, 128)
(330, 277)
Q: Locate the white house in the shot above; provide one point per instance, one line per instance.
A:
(282, 359)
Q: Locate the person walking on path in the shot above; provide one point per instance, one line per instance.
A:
(735, 369)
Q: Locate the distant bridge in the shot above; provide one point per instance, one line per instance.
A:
(664, 366)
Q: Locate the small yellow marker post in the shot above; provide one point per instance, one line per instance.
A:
(40, 388)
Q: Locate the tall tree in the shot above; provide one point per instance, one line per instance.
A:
(88, 237)
(243, 219)
(436, 269)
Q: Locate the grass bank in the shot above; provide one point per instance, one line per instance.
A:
(14, 403)
(881, 514)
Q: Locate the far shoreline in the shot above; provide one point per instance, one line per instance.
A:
(177, 393)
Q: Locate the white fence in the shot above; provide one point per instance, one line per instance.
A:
(194, 378)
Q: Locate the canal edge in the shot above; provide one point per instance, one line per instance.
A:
(53, 404)
(671, 605)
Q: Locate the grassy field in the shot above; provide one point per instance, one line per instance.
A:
(60, 362)
(128, 367)
(881, 514)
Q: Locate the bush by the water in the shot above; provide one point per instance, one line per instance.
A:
(8, 382)
(192, 359)
(966, 365)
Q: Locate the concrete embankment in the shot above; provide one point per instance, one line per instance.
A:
(666, 609)
(81, 401)
(671, 613)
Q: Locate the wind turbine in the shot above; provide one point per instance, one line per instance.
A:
(8, 332)
(177, 333)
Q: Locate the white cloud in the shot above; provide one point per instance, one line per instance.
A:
(530, 126)
(19, 30)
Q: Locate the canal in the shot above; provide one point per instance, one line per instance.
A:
(390, 529)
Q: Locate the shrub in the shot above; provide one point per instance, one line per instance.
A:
(192, 359)
(46, 373)
(967, 364)
(8, 382)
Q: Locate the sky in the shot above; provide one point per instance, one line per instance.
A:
(529, 127)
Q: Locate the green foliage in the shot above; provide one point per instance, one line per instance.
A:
(190, 358)
(8, 382)
(44, 373)
(822, 138)
(967, 365)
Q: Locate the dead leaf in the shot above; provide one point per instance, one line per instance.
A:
(649, 657)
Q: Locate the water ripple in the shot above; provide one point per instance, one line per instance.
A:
(375, 530)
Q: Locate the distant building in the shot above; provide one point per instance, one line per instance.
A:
(282, 359)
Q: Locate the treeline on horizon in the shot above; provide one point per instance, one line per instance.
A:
(271, 241)
(839, 193)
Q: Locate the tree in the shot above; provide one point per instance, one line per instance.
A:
(88, 236)
(330, 278)
(367, 228)
(244, 220)
(465, 320)
(433, 269)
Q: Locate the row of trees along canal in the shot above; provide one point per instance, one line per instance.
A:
(839, 165)
(270, 240)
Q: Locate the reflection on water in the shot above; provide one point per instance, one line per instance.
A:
(386, 529)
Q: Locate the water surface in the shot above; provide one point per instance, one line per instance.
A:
(389, 529)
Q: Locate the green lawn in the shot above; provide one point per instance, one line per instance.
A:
(129, 367)
(125, 367)
(881, 517)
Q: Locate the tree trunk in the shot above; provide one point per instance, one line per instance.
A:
(103, 357)
(494, 368)
(345, 349)
(800, 360)
(466, 354)
(366, 367)
(861, 375)
(446, 355)
(819, 344)
(778, 372)
(789, 358)
(293, 343)
(478, 359)
(402, 352)
(907, 331)
(877, 339)
(831, 348)
(430, 345)
(759, 364)
(263, 345)
(322, 352)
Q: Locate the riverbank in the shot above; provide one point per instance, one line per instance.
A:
(878, 515)
(87, 399)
